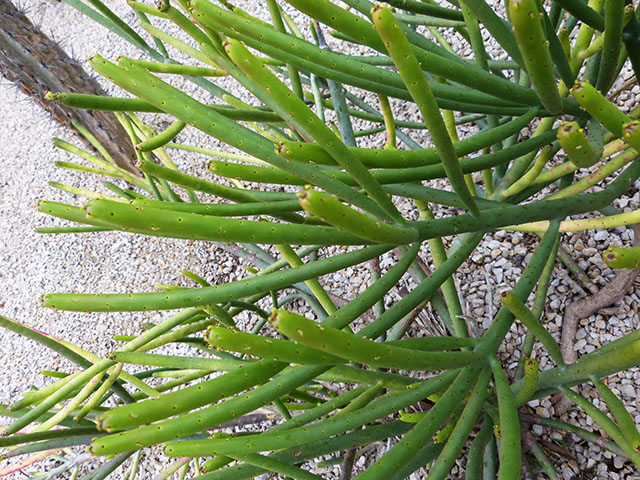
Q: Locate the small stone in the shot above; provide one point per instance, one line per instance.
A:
(601, 235)
(627, 390)
(499, 274)
(495, 253)
(501, 262)
(579, 344)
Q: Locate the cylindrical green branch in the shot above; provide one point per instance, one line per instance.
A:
(622, 257)
(531, 374)
(510, 448)
(346, 219)
(356, 349)
(576, 145)
(599, 107)
(400, 50)
(529, 32)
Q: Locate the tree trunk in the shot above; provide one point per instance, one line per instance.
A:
(37, 64)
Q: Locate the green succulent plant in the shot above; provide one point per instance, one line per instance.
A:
(347, 378)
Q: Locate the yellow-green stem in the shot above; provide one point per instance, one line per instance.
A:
(314, 285)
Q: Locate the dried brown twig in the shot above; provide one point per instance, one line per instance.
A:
(607, 295)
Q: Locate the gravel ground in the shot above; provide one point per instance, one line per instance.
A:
(33, 264)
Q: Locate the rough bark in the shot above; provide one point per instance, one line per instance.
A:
(36, 64)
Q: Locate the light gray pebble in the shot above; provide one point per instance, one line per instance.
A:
(601, 235)
(627, 390)
(579, 344)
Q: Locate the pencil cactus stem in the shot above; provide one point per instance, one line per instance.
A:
(531, 374)
(209, 416)
(59, 395)
(424, 430)
(529, 177)
(275, 348)
(390, 402)
(185, 108)
(295, 111)
(322, 63)
(576, 145)
(352, 348)
(583, 39)
(349, 312)
(71, 405)
(209, 295)
(349, 214)
(278, 23)
(604, 422)
(510, 449)
(625, 421)
(179, 69)
(463, 426)
(161, 139)
(400, 50)
(439, 255)
(599, 107)
(98, 394)
(389, 122)
(485, 14)
(309, 152)
(223, 209)
(599, 223)
(613, 165)
(565, 41)
(622, 257)
(532, 42)
(97, 102)
(271, 465)
(168, 223)
(631, 134)
(522, 313)
(314, 285)
(362, 400)
(347, 219)
(612, 44)
(189, 398)
(584, 12)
